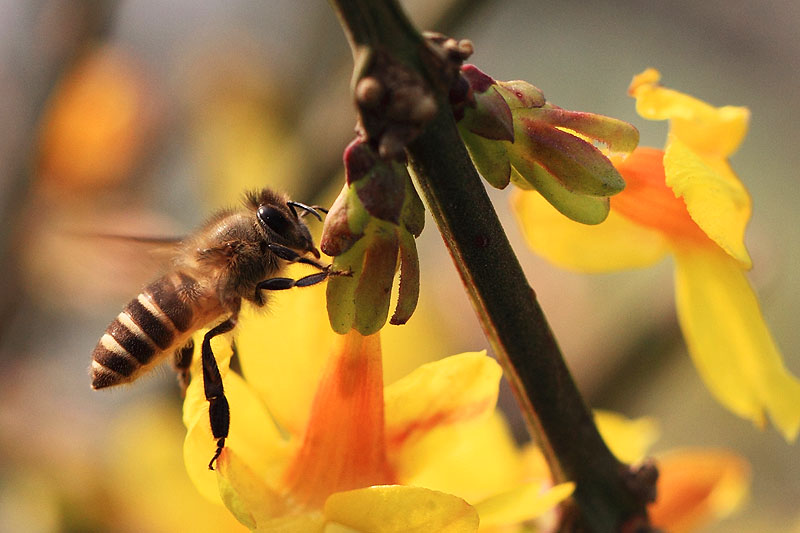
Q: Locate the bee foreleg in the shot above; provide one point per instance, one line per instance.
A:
(218, 410)
(182, 362)
(280, 284)
(287, 254)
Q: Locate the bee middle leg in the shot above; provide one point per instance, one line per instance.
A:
(182, 362)
(218, 409)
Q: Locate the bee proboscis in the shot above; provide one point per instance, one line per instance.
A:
(235, 255)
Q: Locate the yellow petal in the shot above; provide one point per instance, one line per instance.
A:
(244, 492)
(612, 245)
(709, 130)
(252, 435)
(696, 487)
(308, 522)
(629, 439)
(729, 342)
(401, 509)
(525, 502)
(715, 198)
(453, 390)
(437, 460)
(282, 351)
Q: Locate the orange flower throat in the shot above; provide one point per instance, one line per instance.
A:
(344, 446)
(648, 201)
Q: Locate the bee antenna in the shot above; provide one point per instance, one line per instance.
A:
(305, 208)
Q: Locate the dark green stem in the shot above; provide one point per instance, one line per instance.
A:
(506, 305)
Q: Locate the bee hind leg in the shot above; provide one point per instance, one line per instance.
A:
(182, 362)
(218, 409)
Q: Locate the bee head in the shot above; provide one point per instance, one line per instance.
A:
(282, 224)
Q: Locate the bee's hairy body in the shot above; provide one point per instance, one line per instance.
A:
(157, 322)
(212, 272)
(235, 255)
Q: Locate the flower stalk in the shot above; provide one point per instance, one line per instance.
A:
(609, 496)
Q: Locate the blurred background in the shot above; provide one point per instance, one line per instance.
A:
(140, 117)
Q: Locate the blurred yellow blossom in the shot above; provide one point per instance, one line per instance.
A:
(329, 441)
(696, 487)
(139, 504)
(97, 123)
(686, 200)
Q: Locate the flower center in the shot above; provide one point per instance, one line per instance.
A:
(648, 201)
(344, 446)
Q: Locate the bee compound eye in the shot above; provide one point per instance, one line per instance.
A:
(273, 219)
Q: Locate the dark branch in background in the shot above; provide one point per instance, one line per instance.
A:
(609, 496)
(60, 33)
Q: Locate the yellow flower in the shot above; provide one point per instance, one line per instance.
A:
(317, 443)
(686, 200)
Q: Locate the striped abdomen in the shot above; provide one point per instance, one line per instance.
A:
(151, 325)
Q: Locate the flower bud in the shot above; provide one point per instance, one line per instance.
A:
(486, 113)
(550, 149)
(372, 223)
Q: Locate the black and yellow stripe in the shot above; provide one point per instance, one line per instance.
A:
(148, 326)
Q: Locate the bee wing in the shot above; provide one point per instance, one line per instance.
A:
(155, 252)
(108, 266)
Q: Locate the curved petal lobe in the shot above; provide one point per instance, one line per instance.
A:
(401, 509)
(715, 198)
(523, 503)
(252, 434)
(456, 389)
(729, 341)
(712, 131)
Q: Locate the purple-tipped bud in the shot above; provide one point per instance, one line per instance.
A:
(551, 149)
(478, 80)
(485, 112)
(372, 221)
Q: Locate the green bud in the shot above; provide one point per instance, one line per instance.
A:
(413, 211)
(344, 223)
(579, 207)
(490, 157)
(375, 280)
(408, 292)
(552, 149)
(373, 221)
(576, 163)
(617, 135)
(520, 94)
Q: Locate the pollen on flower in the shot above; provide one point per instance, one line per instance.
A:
(648, 201)
(344, 446)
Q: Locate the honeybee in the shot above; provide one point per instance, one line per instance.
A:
(235, 255)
